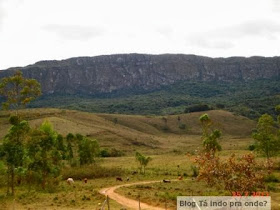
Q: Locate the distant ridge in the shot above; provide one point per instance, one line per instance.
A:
(108, 73)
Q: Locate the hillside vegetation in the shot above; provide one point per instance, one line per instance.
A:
(152, 134)
(250, 99)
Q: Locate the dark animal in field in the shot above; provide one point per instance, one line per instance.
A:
(119, 179)
(85, 180)
(19, 181)
(166, 181)
(127, 179)
(134, 172)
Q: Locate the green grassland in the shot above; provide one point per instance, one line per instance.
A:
(161, 137)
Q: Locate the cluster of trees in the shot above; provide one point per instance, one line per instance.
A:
(80, 150)
(36, 155)
(243, 174)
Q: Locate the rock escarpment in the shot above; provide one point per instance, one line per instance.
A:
(107, 73)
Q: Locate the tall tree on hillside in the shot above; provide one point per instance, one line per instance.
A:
(267, 142)
(209, 137)
(13, 151)
(18, 91)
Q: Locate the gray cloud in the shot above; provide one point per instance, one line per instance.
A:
(225, 37)
(75, 32)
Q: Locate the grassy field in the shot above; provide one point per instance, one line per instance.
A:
(161, 137)
(81, 196)
(165, 194)
(86, 196)
(150, 134)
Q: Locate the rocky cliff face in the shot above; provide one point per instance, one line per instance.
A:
(104, 74)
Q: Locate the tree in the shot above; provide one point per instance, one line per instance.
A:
(265, 135)
(143, 161)
(18, 91)
(13, 150)
(209, 137)
(60, 145)
(69, 151)
(44, 153)
(88, 150)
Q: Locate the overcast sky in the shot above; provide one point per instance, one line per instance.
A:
(33, 30)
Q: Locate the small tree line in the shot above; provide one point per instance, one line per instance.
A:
(36, 155)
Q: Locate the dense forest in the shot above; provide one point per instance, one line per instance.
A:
(250, 99)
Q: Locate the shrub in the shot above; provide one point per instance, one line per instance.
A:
(271, 178)
(182, 126)
(165, 128)
(194, 170)
(252, 147)
(235, 174)
(272, 187)
(104, 153)
(112, 153)
(116, 153)
(197, 108)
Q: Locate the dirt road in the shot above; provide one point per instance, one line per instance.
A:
(127, 202)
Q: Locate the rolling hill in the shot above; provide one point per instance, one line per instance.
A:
(152, 134)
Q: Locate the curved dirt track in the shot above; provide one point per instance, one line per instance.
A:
(127, 202)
